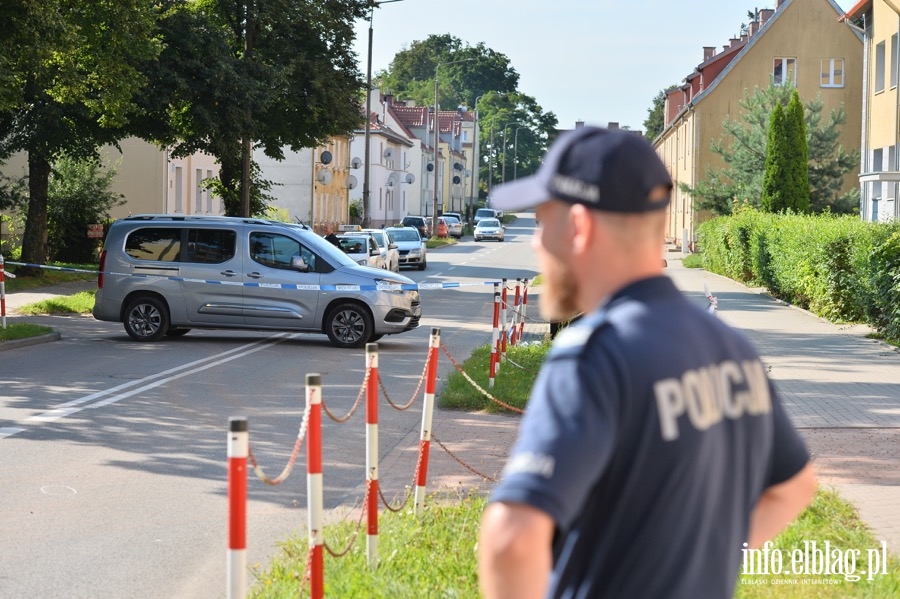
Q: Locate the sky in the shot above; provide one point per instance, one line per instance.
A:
(596, 61)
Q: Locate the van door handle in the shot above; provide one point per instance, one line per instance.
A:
(229, 273)
(254, 275)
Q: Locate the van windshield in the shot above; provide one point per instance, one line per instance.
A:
(485, 212)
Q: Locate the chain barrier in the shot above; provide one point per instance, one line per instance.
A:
(414, 394)
(463, 464)
(477, 386)
(362, 390)
(362, 514)
(408, 494)
(304, 424)
(308, 573)
(519, 366)
(525, 317)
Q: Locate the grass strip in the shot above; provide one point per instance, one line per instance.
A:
(22, 330)
(77, 303)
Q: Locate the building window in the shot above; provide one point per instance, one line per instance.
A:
(879, 67)
(784, 71)
(832, 72)
(877, 166)
(894, 51)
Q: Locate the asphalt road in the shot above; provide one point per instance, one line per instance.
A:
(114, 452)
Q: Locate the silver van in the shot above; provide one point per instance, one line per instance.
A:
(167, 274)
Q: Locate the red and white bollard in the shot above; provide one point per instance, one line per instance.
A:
(314, 490)
(427, 414)
(513, 339)
(495, 337)
(523, 310)
(372, 454)
(238, 450)
(503, 313)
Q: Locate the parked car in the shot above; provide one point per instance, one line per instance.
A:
(485, 213)
(177, 273)
(422, 225)
(411, 246)
(389, 251)
(458, 216)
(362, 248)
(489, 228)
(453, 224)
(442, 232)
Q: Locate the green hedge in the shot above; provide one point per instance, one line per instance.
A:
(837, 267)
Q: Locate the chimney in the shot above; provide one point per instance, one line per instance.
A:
(612, 125)
(389, 99)
(708, 52)
(764, 15)
(579, 124)
(754, 28)
(778, 4)
(735, 41)
(744, 37)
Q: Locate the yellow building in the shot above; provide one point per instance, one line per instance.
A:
(800, 42)
(879, 22)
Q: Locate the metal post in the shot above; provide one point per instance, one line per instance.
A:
(238, 450)
(314, 490)
(427, 415)
(516, 154)
(372, 454)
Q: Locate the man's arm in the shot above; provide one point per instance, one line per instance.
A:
(514, 551)
(779, 505)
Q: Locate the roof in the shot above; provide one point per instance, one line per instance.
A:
(857, 11)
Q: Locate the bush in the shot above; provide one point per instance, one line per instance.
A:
(884, 277)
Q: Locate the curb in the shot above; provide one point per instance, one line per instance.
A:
(17, 343)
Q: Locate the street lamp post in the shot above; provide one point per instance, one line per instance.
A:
(503, 167)
(437, 139)
(516, 153)
(366, 150)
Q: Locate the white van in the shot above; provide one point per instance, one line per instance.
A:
(167, 274)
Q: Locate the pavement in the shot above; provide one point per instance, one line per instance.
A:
(840, 388)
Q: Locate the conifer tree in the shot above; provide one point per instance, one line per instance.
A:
(797, 162)
(775, 188)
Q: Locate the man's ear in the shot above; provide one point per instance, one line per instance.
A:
(582, 225)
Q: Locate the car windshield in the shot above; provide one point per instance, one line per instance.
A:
(451, 220)
(378, 236)
(488, 222)
(353, 245)
(405, 235)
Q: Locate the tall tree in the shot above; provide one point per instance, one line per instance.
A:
(798, 155)
(467, 74)
(776, 188)
(656, 118)
(743, 149)
(281, 73)
(71, 91)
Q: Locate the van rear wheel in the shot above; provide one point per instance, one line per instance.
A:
(146, 319)
(349, 325)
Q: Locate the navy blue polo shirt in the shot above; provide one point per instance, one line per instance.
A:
(651, 433)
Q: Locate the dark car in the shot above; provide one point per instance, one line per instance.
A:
(422, 224)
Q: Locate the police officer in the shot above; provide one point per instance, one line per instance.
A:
(654, 448)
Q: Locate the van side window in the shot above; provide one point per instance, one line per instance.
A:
(275, 251)
(159, 244)
(210, 246)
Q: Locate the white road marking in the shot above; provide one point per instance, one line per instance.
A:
(112, 395)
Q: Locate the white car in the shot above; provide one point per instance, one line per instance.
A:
(362, 249)
(411, 246)
(489, 228)
(389, 252)
(485, 213)
(454, 226)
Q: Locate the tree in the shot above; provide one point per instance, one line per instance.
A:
(656, 117)
(743, 149)
(776, 189)
(243, 74)
(71, 91)
(480, 73)
(79, 194)
(797, 164)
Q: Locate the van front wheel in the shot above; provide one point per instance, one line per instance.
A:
(349, 325)
(146, 319)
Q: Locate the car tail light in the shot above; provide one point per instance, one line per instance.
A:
(102, 268)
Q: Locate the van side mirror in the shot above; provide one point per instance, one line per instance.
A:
(299, 264)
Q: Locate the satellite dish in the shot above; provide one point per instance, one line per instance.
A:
(456, 179)
(325, 157)
(392, 180)
(350, 182)
(389, 152)
(355, 163)
(324, 176)
(430, 167)
(410, 178)
(457, 166)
